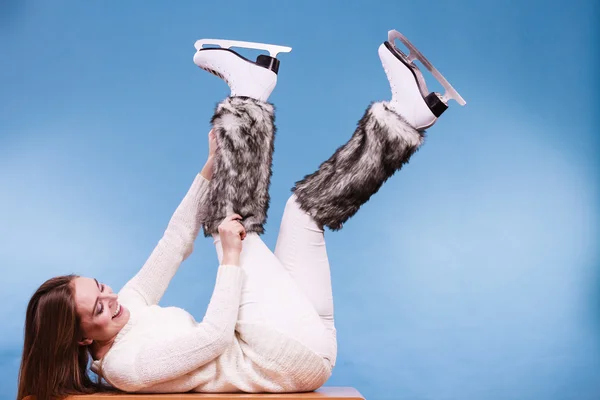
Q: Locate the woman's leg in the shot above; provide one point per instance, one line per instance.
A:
(271, 298)
(382, 143)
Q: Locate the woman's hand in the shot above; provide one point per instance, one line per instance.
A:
(207, 170)
(232, 233)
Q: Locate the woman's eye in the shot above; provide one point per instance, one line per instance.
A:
(100, 308)
(102, 288)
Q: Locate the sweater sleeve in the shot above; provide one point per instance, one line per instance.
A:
(176, 244)
(167, 358)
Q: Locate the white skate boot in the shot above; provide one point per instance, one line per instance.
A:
(410, 97)
(244, 77)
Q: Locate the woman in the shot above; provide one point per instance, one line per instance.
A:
(269, 326)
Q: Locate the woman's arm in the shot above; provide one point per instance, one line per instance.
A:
(174, 356)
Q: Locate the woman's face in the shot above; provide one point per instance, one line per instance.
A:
(102, 317)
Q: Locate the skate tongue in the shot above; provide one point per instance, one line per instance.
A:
(273, 49)
(415, 54)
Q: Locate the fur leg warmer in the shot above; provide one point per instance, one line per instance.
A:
(245, 132)
(381, 144)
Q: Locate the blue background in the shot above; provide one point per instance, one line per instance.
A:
(473, 274)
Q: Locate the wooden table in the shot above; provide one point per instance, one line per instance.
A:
(326, 392)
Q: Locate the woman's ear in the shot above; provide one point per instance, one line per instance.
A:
(85, 342)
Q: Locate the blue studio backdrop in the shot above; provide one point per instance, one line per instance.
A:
(472, 274)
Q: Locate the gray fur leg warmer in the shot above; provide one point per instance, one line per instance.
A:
(245, 132)
(381, 144)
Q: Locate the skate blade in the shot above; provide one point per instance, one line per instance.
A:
(273, 49)
(450, 93)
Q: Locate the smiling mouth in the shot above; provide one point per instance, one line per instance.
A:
(118, 311)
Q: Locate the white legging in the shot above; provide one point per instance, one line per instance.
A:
(290, 291)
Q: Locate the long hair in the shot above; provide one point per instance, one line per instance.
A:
(54, 365)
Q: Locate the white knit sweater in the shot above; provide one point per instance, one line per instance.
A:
(166, 350)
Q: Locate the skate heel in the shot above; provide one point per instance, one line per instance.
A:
(268, 62)
(435, 104)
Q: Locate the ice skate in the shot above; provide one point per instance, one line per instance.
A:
(255, 79)
(410, 96)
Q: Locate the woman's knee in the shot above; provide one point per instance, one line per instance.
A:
(293, 213)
